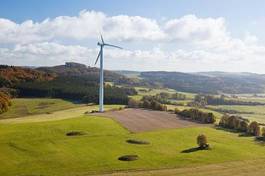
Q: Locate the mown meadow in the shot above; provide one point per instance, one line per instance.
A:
(43, 148)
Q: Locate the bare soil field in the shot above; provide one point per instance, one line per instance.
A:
(141, 120)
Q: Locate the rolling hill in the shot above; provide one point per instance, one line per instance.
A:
(71, 81)
(205, 82)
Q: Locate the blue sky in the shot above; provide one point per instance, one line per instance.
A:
(239, 14)
(182, 32)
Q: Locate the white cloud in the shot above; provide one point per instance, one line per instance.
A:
(88, 25)
(196, 44)
(124, 27)
(45, 54)
(192, 27)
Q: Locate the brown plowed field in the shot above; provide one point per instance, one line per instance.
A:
(140, 120)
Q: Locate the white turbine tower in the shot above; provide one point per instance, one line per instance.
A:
(101, 82)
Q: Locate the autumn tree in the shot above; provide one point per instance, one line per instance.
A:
(202, 141)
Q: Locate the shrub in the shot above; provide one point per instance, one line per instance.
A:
(202, 141)
(176, 111)
(223, 121)
(263, 132)
(151, 103)
(163, 107)
(148, 102)
(254, 128)
(5, 102)
(210, 118)
(133, 103)
(262, 137)
(234, 122)
(243, 126)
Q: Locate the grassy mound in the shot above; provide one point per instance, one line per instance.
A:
(128, 158)
(134, 141)
(75, 133)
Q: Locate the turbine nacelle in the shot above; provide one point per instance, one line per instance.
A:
(102, 45)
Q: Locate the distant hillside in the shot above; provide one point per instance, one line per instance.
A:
(10, 75)
(129, 74)
(76, 70)
(70, 81)
(63, 77)
(209, 82)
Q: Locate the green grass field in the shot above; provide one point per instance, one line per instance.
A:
(59, 115)
(33, 141)
(44, 149)
(249, 98)
(256, 113)
(148, 91)
(26, 110)
(31, 106)
(238, 168)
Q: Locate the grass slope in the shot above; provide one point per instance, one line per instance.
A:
(26, 110)
(256, 113)
(143, 91)
(44, 149)
(30, 106)
(238, 168)
(59, 115)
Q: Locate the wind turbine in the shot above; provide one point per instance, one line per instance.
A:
(101, 82)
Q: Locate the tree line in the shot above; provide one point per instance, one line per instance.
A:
(81, 89)
(242, 125)
(156, 102)
(196, 115)
(71, 81)
(148, 102)
(166, 96)
(203, 100)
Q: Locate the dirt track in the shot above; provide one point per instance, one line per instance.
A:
(139, 120)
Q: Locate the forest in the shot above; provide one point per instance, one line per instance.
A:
(71, 81)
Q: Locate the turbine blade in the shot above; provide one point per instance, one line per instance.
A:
(112, 46)
(98, 57)
(102, 39)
